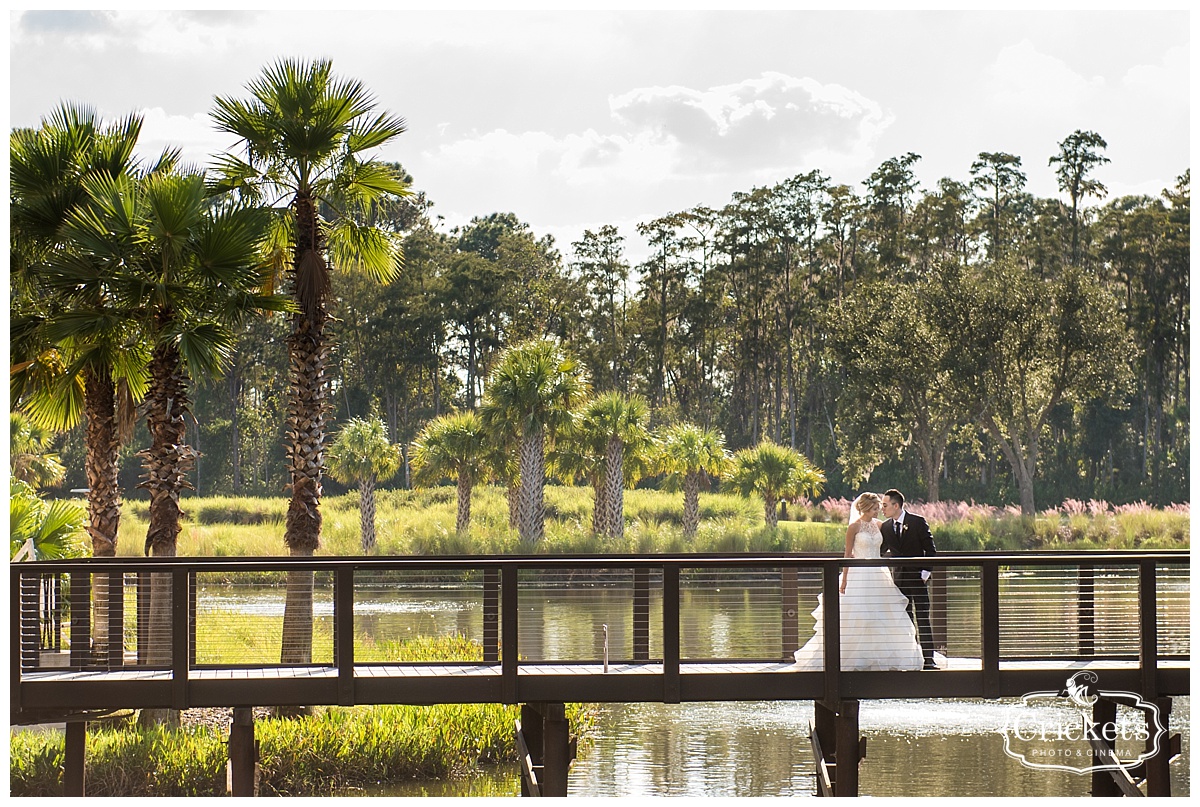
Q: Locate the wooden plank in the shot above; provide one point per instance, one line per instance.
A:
(1103, 754)
(670, 617)
(343, 633)
(1148, 628)
(824, 780)
(529, 781)
(75, 753)
(508, 631)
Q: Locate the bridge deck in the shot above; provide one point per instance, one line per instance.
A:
(548, 668)
(625, 682)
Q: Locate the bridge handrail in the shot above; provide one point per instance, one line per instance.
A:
(628, 561)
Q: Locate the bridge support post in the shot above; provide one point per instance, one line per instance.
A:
(1158, 766)
(547, 739)
(243, 753)
(1104, 712)
(75, 752)
(840, 747)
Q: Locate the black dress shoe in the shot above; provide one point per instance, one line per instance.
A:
(929, 665)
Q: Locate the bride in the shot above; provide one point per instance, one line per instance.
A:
(876, 631)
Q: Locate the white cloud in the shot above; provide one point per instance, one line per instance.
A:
(767, 126)
(194, 135)
(1023, 81)
(1163, 82)
(772, 123)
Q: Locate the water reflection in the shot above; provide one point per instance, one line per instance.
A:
(914, 748)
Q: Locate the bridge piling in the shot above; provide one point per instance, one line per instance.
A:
(547, 739)
(1158, 765)
(839, 746)
(243, 753)
(75, 752)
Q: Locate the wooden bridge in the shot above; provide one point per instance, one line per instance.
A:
(1009, 625)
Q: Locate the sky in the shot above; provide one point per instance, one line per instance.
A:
(575, 119)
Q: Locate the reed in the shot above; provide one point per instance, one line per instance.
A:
(334, 749)
(421, 522)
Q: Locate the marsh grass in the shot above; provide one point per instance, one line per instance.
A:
(334, 749)
(421, 522)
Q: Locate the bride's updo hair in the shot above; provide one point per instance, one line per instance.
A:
(863, 503)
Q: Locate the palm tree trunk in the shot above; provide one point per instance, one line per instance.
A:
(307, 353)
(598, 507)
(166, 463)
(614, 487)
(169, 458)
(691, 505)
(463, 523)
(104, 494)
(512, 495)
(770, 510)
(366, 512)
(532, 505)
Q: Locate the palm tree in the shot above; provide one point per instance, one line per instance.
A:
(687, 454)
(54, 529)
(362, 454)
(305, 134)
(30, 459)
(190, 269)
(774, 472)
(617, 422)
(532, 389)
(74, 352)
(456, 446)
(578, 455)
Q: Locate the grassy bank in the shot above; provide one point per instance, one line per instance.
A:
(335, 749)
(422, 523)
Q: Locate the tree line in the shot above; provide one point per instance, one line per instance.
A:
(969, 340)
(1032, 344)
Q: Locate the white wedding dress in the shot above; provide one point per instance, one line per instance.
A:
(876, 631)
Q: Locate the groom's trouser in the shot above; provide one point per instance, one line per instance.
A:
(913, 587)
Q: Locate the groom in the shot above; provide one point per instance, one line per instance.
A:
(906, 535)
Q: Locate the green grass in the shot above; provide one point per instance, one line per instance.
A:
(334, 749)
(421, 522)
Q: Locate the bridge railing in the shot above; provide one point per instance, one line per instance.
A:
(182, 614)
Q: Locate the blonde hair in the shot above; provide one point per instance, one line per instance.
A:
(865, 502)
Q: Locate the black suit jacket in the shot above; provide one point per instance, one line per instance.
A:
(914, 540)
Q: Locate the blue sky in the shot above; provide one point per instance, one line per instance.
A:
(576, 119)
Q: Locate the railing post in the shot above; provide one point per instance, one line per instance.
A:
(116, 619)
(193, 594)
(989, 624)
(938, 620)
(508, 629)
(832, 637)
(27, 613)
(343, 633)
(143, 618)
(641, 614)
(81, 618)
(14, 653)
(1087, 610)
(789, 588)
(491, 616)
(670, 633)
(180, 578)
(1148, 632)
